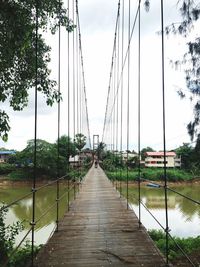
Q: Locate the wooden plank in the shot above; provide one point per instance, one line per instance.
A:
(99, 231)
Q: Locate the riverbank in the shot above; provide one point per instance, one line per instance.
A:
(190, 245)
(154, 175)
(5, 180)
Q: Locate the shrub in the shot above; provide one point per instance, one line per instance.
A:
(8, 235)
(189, 244)
(6, 168)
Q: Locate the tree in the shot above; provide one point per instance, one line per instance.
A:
(196, 156)
(66, 147)
(144, 150)
(46, 157)
(18, 52)
(7, 236)
(100, 150)
(80, 141)
(185, 152)
(190, 13)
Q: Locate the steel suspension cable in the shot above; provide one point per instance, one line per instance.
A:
(114, 110)
(164, 134)
(74, 95)
(125, 59)
(77, 82)
(77, 64)
(117, 78)
(58, 143)
(35, 132)
(122, 85)
(139, 112)
(68, 98)
(83, 75)
(128, 107)
(111, 72)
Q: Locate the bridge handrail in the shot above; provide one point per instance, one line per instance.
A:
(69, 189)
(29, 194)
(164, 229)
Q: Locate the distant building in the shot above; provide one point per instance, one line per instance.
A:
(128, 156)
(74, 161)
(156, 159)
(5, 154)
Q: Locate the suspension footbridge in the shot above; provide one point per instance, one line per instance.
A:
(99, 230)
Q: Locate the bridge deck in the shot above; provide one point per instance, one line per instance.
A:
(99, 231)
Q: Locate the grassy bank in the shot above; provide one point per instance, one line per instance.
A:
(190, 245)
(25, 174)
(153, 174)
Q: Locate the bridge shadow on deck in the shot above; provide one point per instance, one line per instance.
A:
(99, 231)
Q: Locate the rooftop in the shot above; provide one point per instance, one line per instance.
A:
(169, 154)
(7, 152)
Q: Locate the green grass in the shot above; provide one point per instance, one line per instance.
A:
(6, 168)
(189, 244)
(153, 174)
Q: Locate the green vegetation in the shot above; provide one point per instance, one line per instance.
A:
(17, 53)
(6, 168)
(80, 141)
(189, 15)
(8, 235)
(152, 174)
(116, 167)
(189, 244)
(52, 160)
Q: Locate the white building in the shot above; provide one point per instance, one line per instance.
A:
(4, 155)
(129, 156)
(156, 159)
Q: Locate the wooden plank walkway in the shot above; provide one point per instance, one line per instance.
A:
(99, 231)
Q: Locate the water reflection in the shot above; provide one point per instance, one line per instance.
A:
(184, 216)
(22, 211)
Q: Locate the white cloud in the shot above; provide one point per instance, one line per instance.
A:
(97, 20)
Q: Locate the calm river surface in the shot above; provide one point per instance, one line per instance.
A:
(22, 211)
(184, 216)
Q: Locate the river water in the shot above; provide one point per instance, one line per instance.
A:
(184, 216)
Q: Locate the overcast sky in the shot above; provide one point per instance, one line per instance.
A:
(97, 19)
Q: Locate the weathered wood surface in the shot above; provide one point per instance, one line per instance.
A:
(99, 231)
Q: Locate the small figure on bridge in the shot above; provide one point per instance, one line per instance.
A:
(96, 163)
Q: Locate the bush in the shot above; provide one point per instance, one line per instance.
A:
(6, 168)
(151, 174)
(7, 244)
(189, 244)
(7, 236)
(22, 258)
(21, 174)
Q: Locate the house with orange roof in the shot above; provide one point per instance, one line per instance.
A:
(156, 159)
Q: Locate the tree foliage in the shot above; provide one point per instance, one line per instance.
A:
(101, 150)
(7, 236)
(80, 141)
(144, 150)
(18, 52)
(66, 147)
(47, 156)
(185, 152)
(190, 13)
